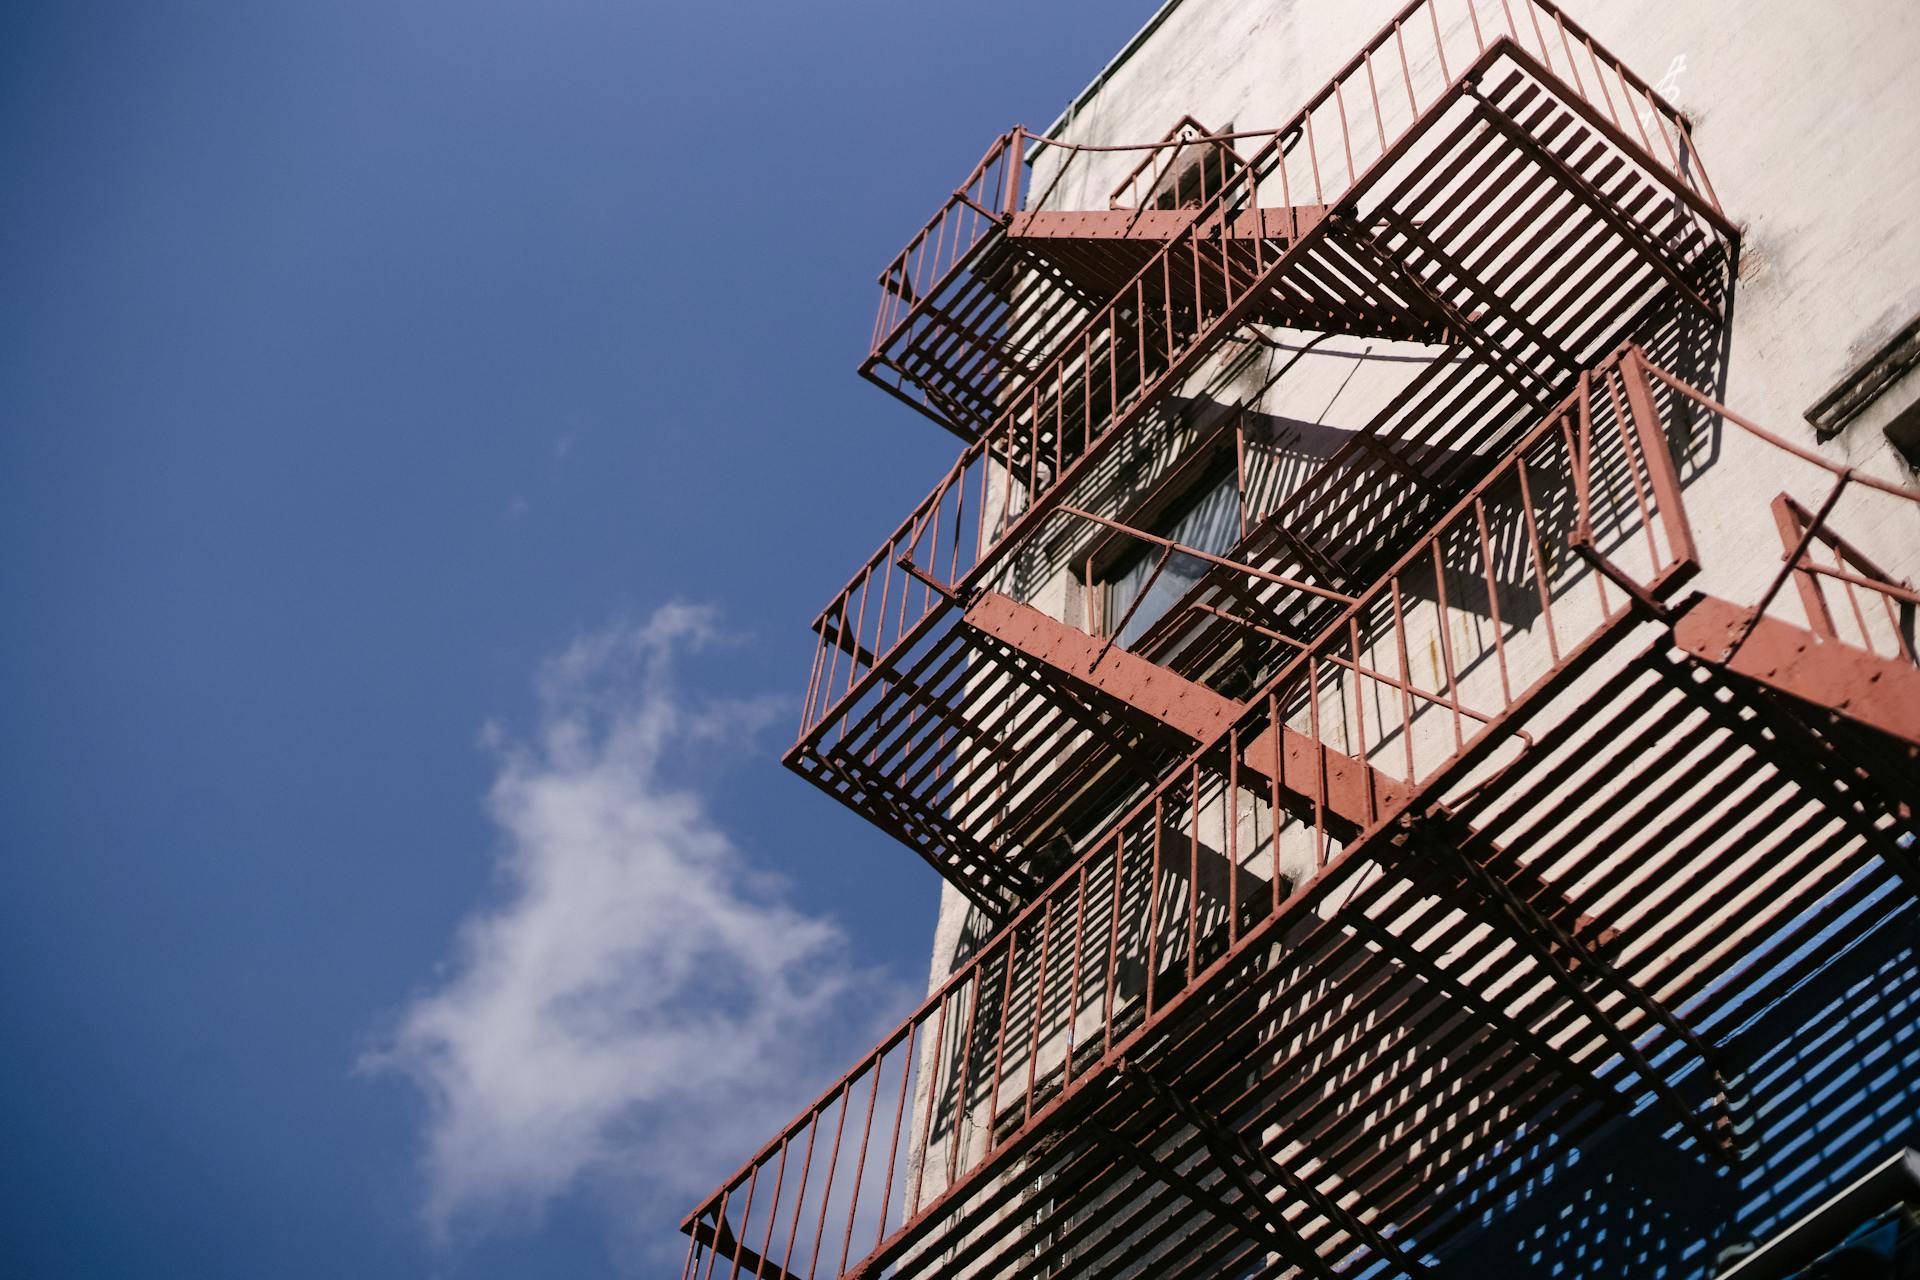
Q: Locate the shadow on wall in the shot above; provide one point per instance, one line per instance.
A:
(1826, 1082)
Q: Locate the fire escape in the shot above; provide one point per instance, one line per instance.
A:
(1439, 824)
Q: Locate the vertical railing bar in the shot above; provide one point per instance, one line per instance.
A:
(949, 489)
(1313, 155)
(1853, 601)
(1631, 454)
(1372, 801)
(933, 1105)
(1193, 875)
(859, 625)
(1039, 1007)
(746, 1217)
(1406, 73)
(1073, 989)
(800, 1201)
(934, 260)
(1226, 263)
(1252, 178)
(1059, 438)
(1600, 79)
(986, 473)
(1033, 451)
(966, 1060)
(1274, 775)
(1108, 1003)
(893, 1141)
(833, 1165)
(1446, 642)
(719, 1220)
(1199, 299)
(1166, 303)
(1240, 469)
(1346, 133)
(1086, 389)
(1573, 64)
(1406, 680)
(1639, 124)
(1140, 317)
(1579, 455)
(839, 630)
(1493, 600)
(1006, 481)
(1538, 556)
(860, 1163)
(880, 643)
(1373, 94)
(1153, 906)
(1231, 817)
(1000, 1037)
(1320, 850)
(1660, 122)
(1439, 44)
(773, 1210)
(1546, 55)
(813, 682)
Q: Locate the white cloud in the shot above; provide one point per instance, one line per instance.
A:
(644, 1007)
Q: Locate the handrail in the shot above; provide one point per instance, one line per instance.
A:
(1103, 374)
(1801, 529)
(1607, 436)
(971, 219)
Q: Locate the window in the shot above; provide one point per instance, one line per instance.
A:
(1209, 521)
(1181, 173)
(1194, 181)
(1882, 390)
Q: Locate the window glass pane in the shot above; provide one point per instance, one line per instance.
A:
(1212, 524)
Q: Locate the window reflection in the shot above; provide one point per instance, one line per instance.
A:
(1209, 522)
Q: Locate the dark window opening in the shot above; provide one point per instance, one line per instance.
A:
(1209, 520)
(1199, 172)
(1904, 433)
(1866, 382)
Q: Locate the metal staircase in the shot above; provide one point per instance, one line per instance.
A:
(1441, 823)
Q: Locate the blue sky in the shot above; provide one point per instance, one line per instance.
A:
(427, 430)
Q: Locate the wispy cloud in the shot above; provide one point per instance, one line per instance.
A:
(644, 1005)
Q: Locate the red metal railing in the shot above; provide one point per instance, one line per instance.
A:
(1115, 365)
(977, 209)
(1844, 594)
(1187, 144)
(1356, 114)
(1228, 842)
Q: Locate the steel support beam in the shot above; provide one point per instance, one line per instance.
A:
(1882, 694)
(1350, 790)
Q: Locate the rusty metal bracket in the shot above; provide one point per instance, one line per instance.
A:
(932, 583)
(1649, 604)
